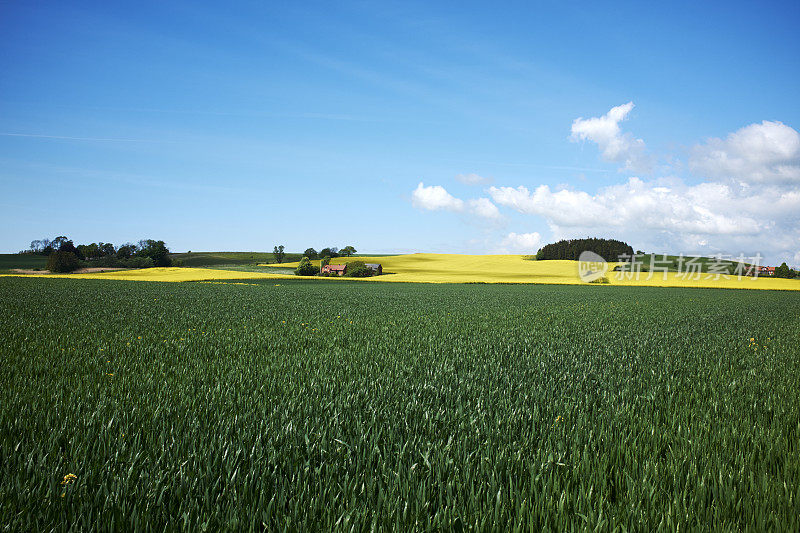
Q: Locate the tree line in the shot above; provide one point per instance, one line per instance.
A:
(608, 249)
(310, 253)
(64, 256)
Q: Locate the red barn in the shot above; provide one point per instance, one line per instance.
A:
(339, 270)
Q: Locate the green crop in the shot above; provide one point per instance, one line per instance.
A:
(352, 406)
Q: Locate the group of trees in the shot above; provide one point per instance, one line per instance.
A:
(608, 249)
(64, 256)
(355, 269)
(311, 253)
(784, 271)
(331, 252)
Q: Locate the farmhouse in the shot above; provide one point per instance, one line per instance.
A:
(339, 270)
(766, 271)
(376, 268)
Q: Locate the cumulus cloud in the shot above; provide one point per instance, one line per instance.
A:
(522, 242)
(472, 179)
(666, 213)
(436, 198)
(484, 208)
(744, 196)
(614, 145)
(759, 153)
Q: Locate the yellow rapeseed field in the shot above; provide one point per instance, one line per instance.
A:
(456, 268)
(449, 268)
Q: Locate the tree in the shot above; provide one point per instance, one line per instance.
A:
(608, 249)
(155, 250)
(62, 262)
(89, 251)
(106, 249)
(69, 246)
(357, 269)
(310, 253)
(784, 271)
(56, 243)
(332, 252)
(325, 261)
(306, 268)
(279, 254)
(347, 251)
(126, 251)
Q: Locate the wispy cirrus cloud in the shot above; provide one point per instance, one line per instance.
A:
(90, 139)
(472, 179)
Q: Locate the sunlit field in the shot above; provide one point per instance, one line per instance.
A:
(305, 405)
(450, 268)
(455, 268)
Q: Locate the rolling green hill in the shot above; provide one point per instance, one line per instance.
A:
(241, 259)
(11, 261)
(211, 259)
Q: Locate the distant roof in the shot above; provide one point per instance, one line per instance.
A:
(372, 265)
(336, 267)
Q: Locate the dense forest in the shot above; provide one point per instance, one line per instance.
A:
(608, 249)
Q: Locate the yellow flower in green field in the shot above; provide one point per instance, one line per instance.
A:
(139, 337)
(558, 419)
(69, 478)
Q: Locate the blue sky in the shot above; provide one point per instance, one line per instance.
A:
(238, 126)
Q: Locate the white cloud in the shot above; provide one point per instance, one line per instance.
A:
(667, 214)
(759, 153)
(483, 208)
(472, 179)
(749, 201)
(614, 145)
(436, 198)
(522, 242)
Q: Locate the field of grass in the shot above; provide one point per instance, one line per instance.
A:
(27, 261)
(224, 259)
(216, 259)
(302, 405)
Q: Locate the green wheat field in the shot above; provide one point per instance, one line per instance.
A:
(297, 405)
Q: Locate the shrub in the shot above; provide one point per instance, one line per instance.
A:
(138, 262)
(62, 262)
(305, 268)
(357, 269)
(601, 281)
